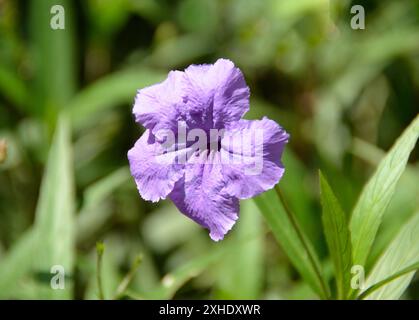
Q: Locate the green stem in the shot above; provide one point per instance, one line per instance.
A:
(100, 248)
(304, 242)
(128, 278)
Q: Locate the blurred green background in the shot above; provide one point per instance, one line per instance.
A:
(344, 95)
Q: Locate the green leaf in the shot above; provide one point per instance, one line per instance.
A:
(337, 236)
(410, 269)
(54, 220)
(401, 253)
(294, 243)
(50, 242)
(117, 88)
(53, 57)
(376, 195)
(403, 205)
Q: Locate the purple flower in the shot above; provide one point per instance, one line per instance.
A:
(205, 180)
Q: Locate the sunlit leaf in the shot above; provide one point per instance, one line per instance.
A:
(377, 193)
(410, 269)
(402, 252)
(402, 206)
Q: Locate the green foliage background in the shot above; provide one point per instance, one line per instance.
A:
(345, 96)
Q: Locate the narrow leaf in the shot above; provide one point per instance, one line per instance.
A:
(376, 195)
(53, 53)
(337, 236)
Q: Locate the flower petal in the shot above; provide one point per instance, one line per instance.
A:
(231, 99)
(216, 95)
(251, 155)
(160, 106)
(199, 93)
(154, 169)
(201, 196)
